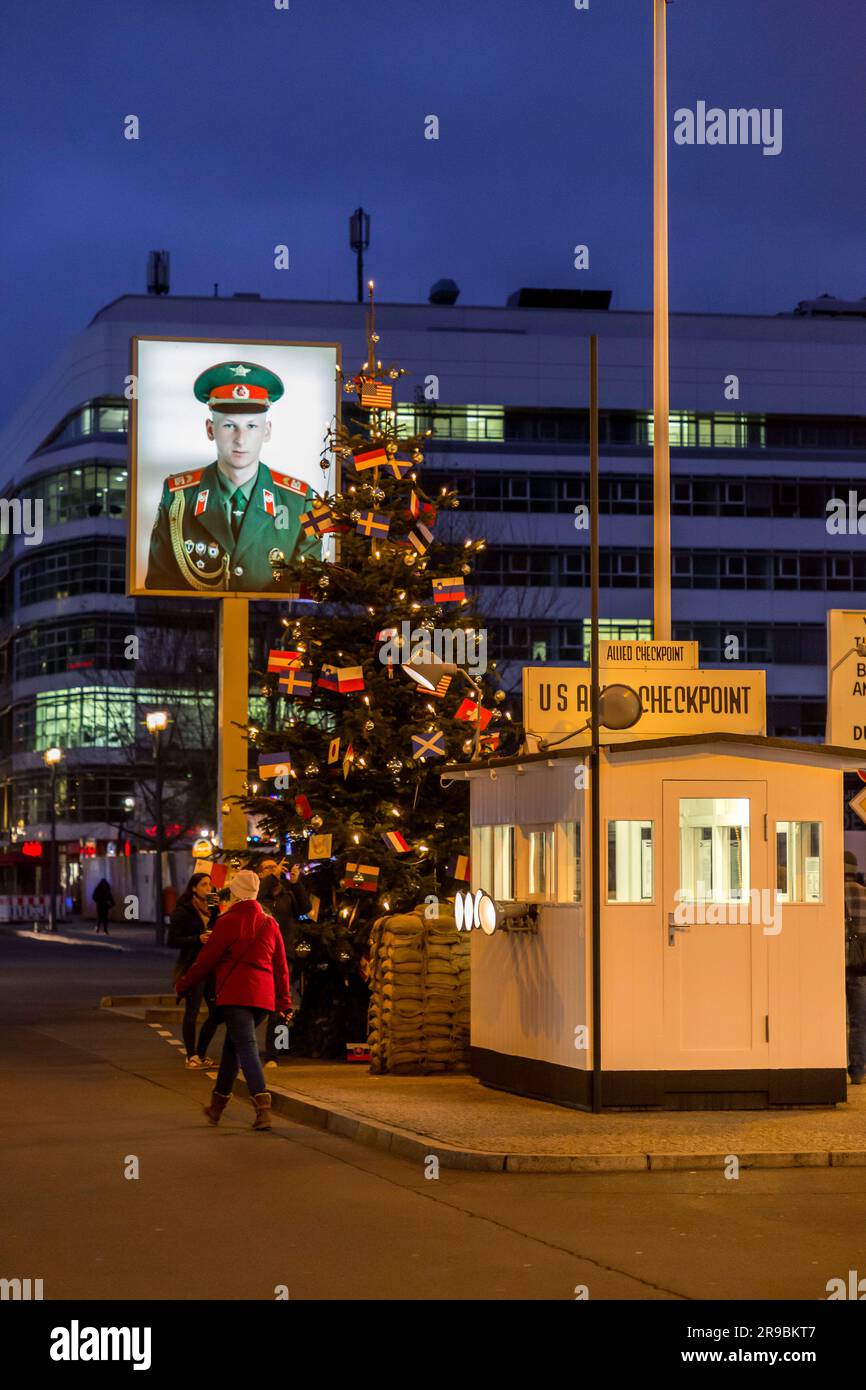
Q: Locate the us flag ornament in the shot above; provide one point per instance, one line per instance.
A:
(296, 684)
(274, 765)
(450, 590)
(427, 746)
(376, 395)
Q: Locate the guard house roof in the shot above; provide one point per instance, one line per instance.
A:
(774, 749)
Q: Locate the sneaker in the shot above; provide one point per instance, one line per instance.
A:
(206, 1061)
(271, 1063)
(193, 1063)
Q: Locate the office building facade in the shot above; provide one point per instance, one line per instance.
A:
(767, 427)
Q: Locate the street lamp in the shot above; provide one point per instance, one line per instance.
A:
(51, 757)
(157, 723)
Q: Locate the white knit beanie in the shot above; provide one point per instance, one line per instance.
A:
(244, 885)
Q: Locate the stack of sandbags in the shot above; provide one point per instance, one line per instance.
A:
(419, 1000)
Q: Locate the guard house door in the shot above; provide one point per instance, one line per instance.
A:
(715, 979)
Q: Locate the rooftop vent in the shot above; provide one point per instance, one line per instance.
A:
(828, 306)
(560, 299)
(444, 292)
(158, 272)
(246, 294)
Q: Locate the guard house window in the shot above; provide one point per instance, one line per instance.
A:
(798, 861)
(503, 863)
(493, 860)
(714, 849)
(629, 861)
(481, 857)
(570, 877)
(540, 865)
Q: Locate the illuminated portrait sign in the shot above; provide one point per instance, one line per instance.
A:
(226, 445)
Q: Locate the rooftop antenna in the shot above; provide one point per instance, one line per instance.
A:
(359, 240)
(158, 272)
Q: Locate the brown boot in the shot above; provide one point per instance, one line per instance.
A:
(262, 1102)
(217, 1105)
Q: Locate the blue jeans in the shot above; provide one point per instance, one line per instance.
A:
(855, 993)
(241, 1049)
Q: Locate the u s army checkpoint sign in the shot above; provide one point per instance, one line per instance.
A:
(675, 700)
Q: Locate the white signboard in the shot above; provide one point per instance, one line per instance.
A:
(846, 678)
(675, 701)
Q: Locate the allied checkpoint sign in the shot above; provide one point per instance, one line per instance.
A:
(677, 697)
(846, 678)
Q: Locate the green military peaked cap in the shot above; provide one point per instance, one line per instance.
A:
(237, 387)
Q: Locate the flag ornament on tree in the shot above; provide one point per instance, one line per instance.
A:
(395, 841)
(427, 746)
(473, 713)
(320, 846)
(458, 867)
(370, 458)
(372, 526)
(419, 508)
(318, 521)
(334, 750)
(303, 807)
(274, 765)
(348, 759)
(397, 467)
(421, 538)
(364, 877)
(279, 660)
(441, 688)
(377, 395)
(450, 590)
(342, 680)
(296, 684)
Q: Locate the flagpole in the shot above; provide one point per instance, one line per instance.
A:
(661, 348)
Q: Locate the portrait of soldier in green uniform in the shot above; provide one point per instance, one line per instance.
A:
(235, 523)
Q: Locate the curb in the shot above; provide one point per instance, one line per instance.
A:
(404, 1143)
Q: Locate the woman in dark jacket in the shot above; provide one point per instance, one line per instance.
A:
(246, 953)
(189, 929)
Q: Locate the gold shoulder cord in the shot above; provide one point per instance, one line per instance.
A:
(185, 565)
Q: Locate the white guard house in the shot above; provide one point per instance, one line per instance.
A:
(722, 950)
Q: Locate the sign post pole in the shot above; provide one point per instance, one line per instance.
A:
(661, 353)
(233, 711)
(595, 757)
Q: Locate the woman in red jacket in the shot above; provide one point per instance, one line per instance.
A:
(246, 953)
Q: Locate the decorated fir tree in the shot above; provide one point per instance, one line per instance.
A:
(347, 777)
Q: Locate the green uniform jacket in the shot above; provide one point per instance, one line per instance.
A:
(192, 546)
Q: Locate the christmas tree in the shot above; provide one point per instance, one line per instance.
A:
(347, 776)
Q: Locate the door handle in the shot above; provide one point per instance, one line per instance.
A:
(674, 927)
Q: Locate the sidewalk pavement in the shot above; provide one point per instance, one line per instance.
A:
(467, 1125)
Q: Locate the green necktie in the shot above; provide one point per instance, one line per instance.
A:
(238, 507)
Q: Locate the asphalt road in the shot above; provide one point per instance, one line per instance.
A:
(231, 1214)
